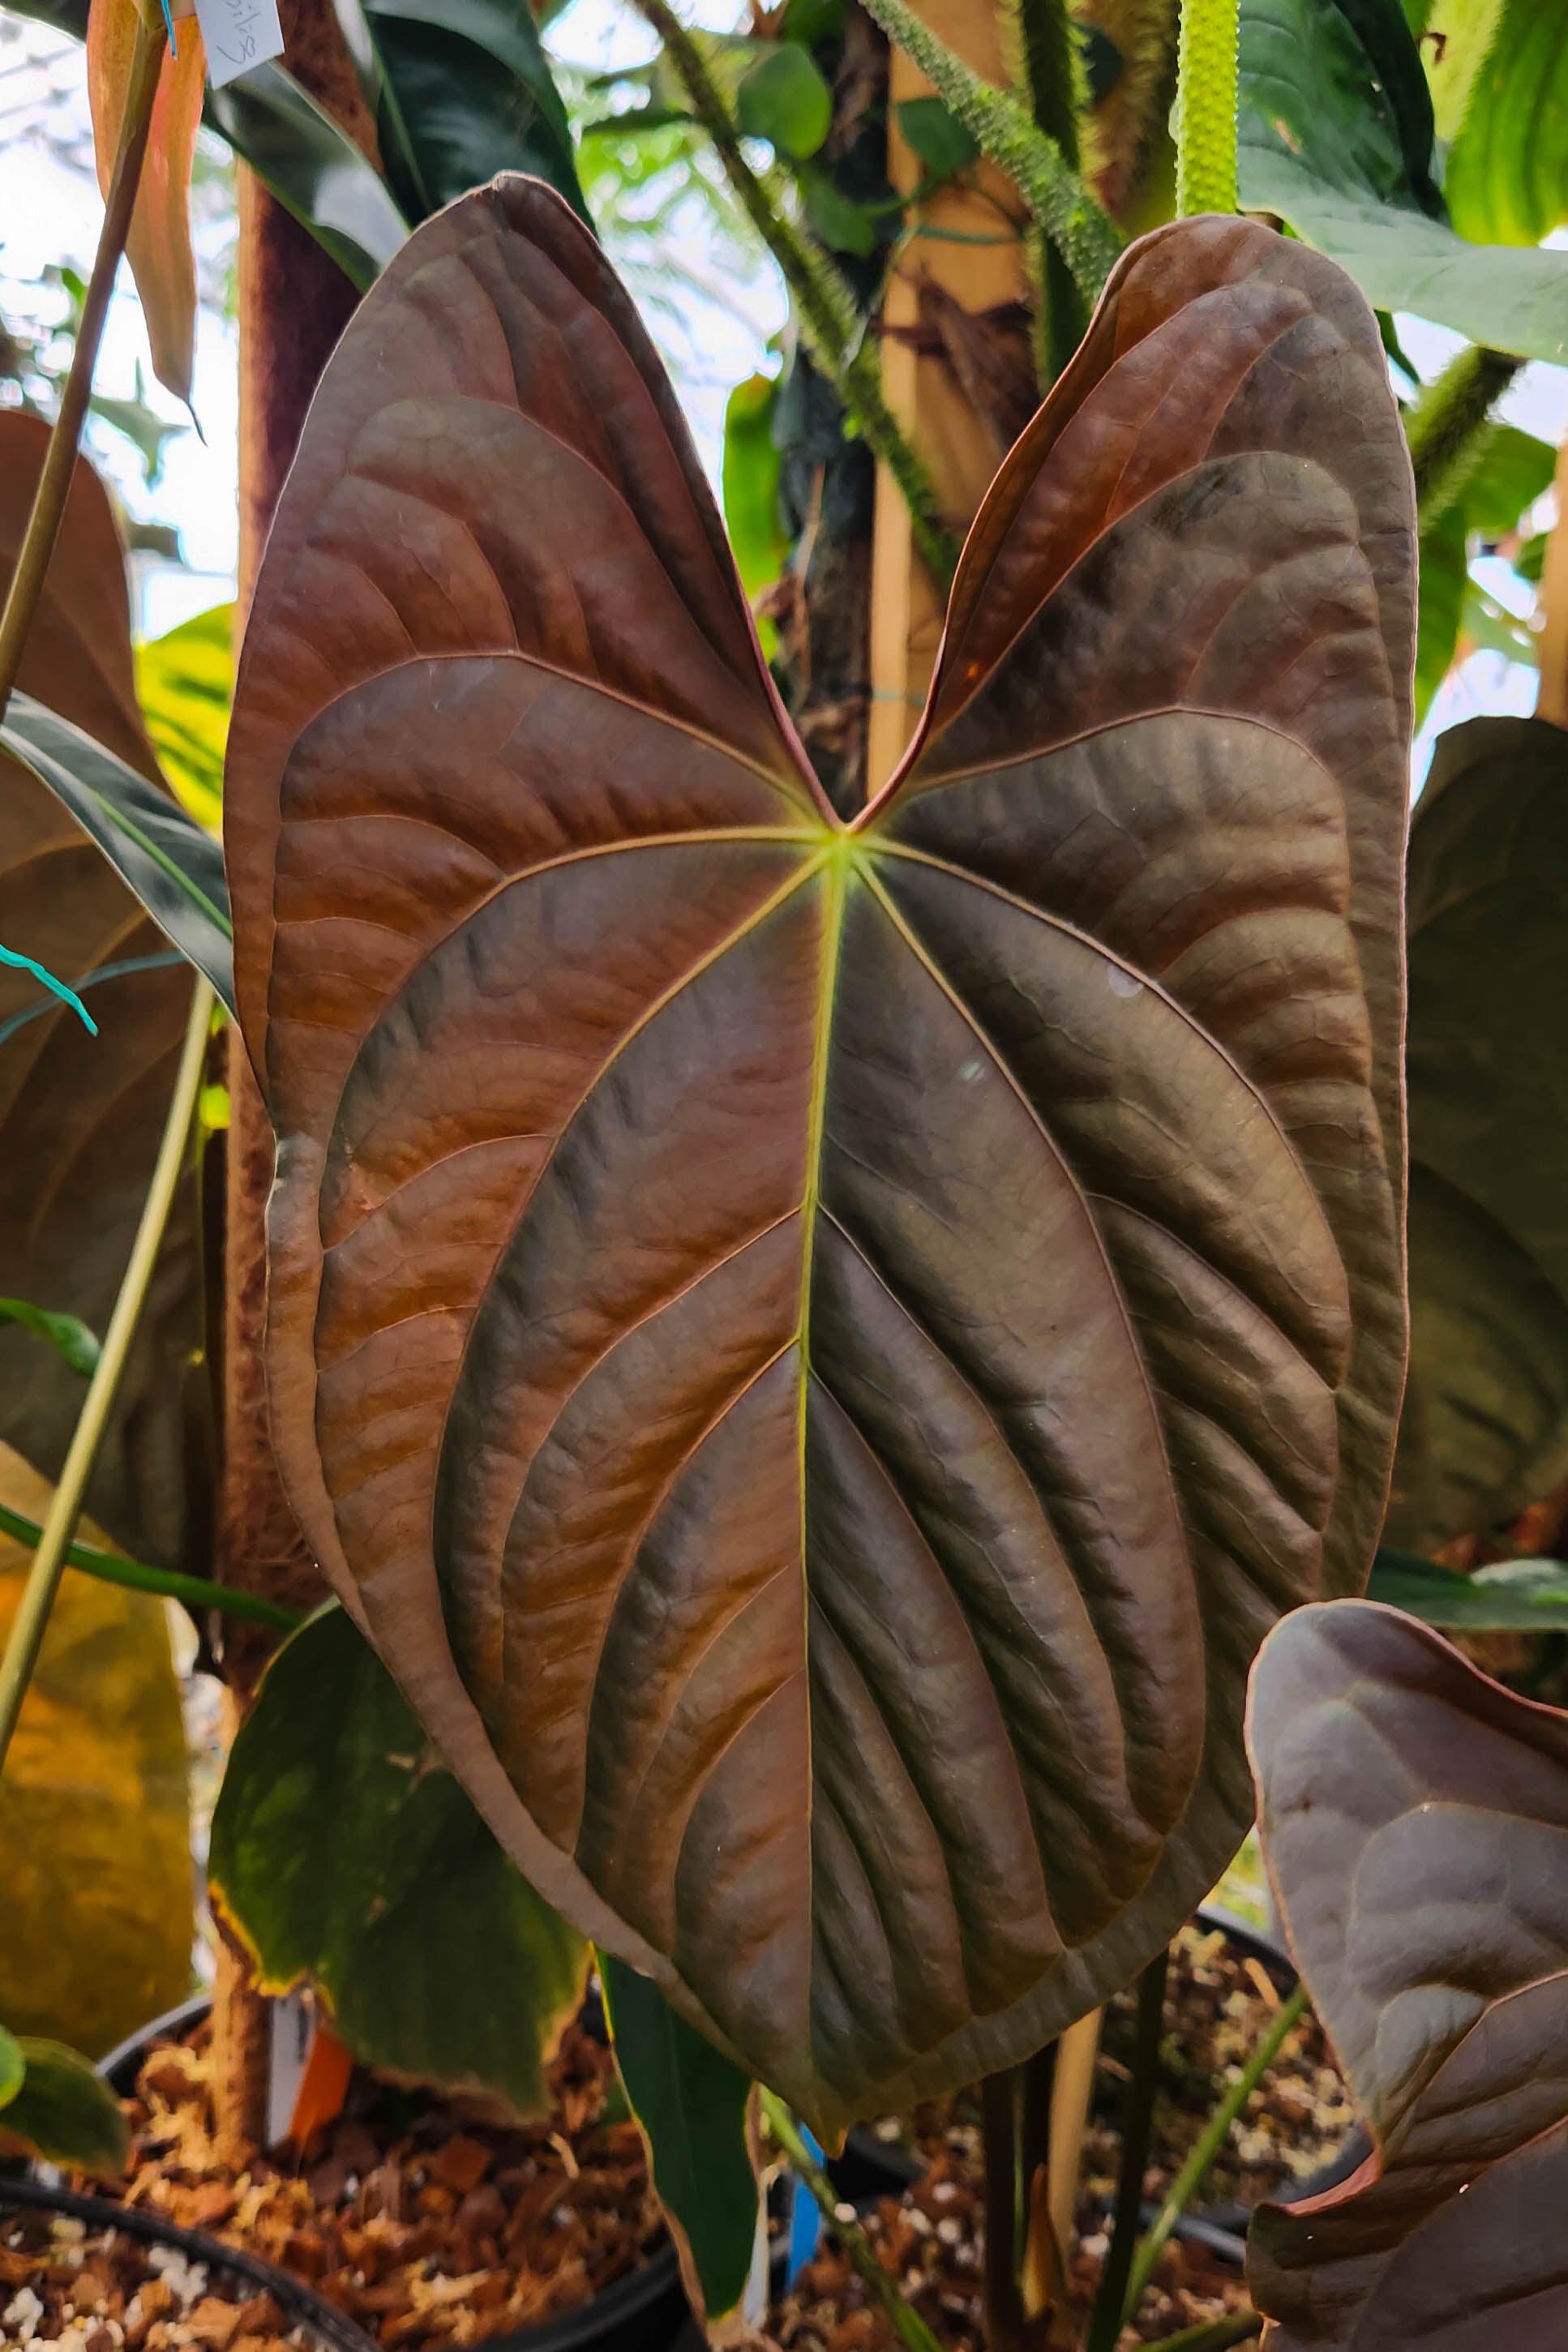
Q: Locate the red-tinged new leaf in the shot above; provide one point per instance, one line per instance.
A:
(1414, 1816)
(817, 1353)
(159, 246)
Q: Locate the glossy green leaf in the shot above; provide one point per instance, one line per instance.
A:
(825, 1512)
(462, 89)
(184, 682)
(936, 136)
(65, 2111)
(1486, 1427)
(1507, 181)
(1322, 143)
(312, 167)
(170, 863)
(1514, 1595)
(757, 539)
(347, 1858)
(783, 99)
(692, 2106)
(1415, 1817)
(81, 1116)
(68, 1335)
(13, 2067)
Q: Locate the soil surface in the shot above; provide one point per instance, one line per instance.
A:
(1219, 2006)
(78, 2289)
(428, 2224)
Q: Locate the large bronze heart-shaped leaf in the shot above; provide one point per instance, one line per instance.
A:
(1415, 1819)
(81, 1116)
(815, 1352)
(1486, 1417)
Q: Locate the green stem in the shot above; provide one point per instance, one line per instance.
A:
(911, 2327)
(137, 1576)
(824, 300)
(1137, 2124)
(1082, 231)
(59, 459)
(1206, 107)
(1212, 2335)
(1215, 2132)
(1449, 425)
(1050, 66)
(26, 1634)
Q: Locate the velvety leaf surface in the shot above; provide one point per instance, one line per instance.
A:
(692, 2106)
(817, 1354)
(347, 1858)
(1485, 1422)
(80, 1117)
(1416, 1819)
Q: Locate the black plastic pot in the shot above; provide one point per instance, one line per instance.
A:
(642, 2313)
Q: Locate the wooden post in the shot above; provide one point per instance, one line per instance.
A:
(294, 303)
(978, 260)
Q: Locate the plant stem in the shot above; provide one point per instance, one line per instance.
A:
(26, 1637)
(824, 302)
(59, 459)
(1205, 107)
(1447, 428)
(1083, 232)
(1215, 2132)
(1137, 2124)
(1212, 2335)
(138, 1576)
(911, 2328)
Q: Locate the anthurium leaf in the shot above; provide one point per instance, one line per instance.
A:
(312, 167)
(833, 1505)
(783, 99)
(1515, 469)
(1414, 1816)
(94, 1814)
(1487, 1413)
(81, 1116)
(1528, 1595)
(463, 89)
(347, 1857)
(1320, 144)
(1506, 179)
(1455, 58)
(184, 681)
(171, 863)
(66, 1334)
(1445, 576)
(757, 539)
(158, 248)
(65, 2111)
(936, 138)
(692, 2107)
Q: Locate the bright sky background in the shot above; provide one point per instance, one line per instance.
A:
(49, 213)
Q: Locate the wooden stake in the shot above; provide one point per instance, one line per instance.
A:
(1552, 699)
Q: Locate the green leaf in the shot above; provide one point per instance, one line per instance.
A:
(783, 99)
(1514, 1595)
(312, 167)
(1454, 62)
(1507, 175)
(757, 539)
(1323, 145)
(67, 2111)
(1515, 469)
(462, 90)
(1485, 1429)
(346, 1855)
(161, 854)
(13, 2067)
(943, 143)
(843, 225)
(691, 2104)
(66, 1334)
(184, 681)
(1445, 576)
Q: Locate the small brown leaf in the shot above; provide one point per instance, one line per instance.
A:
(159, 246)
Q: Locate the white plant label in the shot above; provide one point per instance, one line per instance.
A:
(238, 33)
